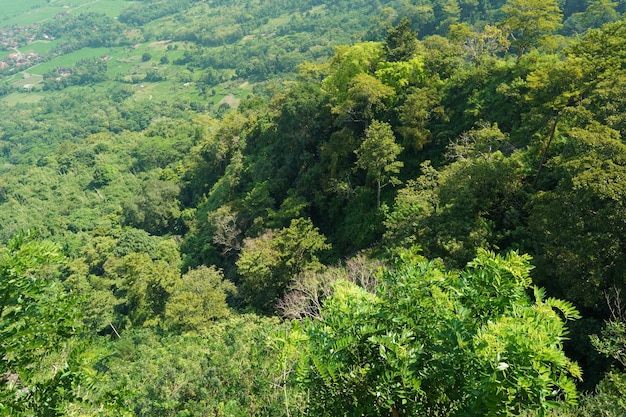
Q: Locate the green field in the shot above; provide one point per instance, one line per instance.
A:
(152, 50)
(19, 98)
(26, 12)
(69, 60)
(124, 65)
(12, 9)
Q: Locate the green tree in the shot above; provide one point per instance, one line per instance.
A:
(234, 367)
(598, 12)
(142, 287)
(556, 90)
(421, 106)
(603, 78)
(41, 367)
(402, 74)
(530, 21)
(466, 205)
(480, 47)
(436, 342)
(611, 342)
(378, 154)
(367, 97)
(482, 142)
(347, 62)
(401, 42)
(583, 214)
(269, 262)
(198, 298)
(155, 208)
(447, 13)
(103, 175)
(122, 277)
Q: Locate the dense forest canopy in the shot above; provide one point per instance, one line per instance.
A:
(280, 208)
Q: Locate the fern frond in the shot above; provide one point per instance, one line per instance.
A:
(565, 307)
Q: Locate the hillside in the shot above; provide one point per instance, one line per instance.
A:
(302, 208)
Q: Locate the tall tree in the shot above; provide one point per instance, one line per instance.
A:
(401, 42)
(367, 97)
(579, 227)
(378, 155)
(529, 21)
(269, 262)
(347, 62)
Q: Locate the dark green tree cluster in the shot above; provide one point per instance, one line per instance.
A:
(87, 29)
(85, 72)
(144, 12)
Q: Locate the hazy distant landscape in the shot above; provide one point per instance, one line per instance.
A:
(193, 46)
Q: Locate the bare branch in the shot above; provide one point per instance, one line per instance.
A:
(614, 302)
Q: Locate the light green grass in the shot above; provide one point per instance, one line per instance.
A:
(125, 66)
(170, 89)
(27, 12)
(27, 79)
(12, 9)
(111, 8)
(21, 98)
(124, 62)
(35, 15)
(69, 60)
(40, 47)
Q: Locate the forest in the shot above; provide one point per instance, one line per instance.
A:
(300, 208)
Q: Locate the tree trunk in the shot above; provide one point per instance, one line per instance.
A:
(545, 151)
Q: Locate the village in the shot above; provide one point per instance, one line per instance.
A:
(14, 37)
(18, 59)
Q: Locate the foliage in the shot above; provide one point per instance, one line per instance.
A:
(401, 42)
(140, 14)
(455, 211)
(308, 291)
(422, 346)
(528, 21)
(155, 209)
(87, 29)
(214, 179)
(377, 156)
(233, 367)
(23, 300)
(589, 168)
(348, 62)
(269, 262)
(125, 279)
(198, 298)
(42, 366)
